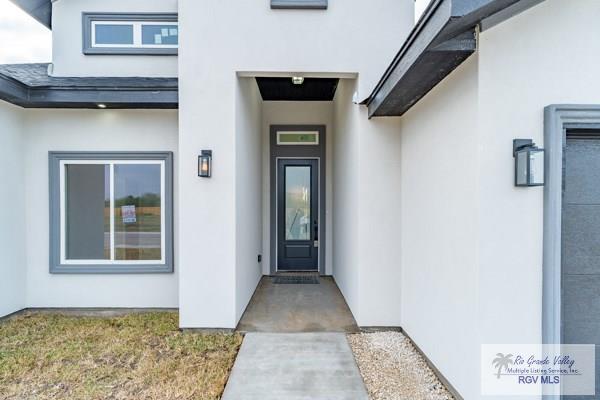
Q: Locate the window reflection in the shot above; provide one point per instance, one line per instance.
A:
(138, 211)
(87, 220)
(297, 202)
(114, 34)
(160, 34)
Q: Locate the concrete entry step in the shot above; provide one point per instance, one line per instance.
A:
(297, 308)
(295, 366)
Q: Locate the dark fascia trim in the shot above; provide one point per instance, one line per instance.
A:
(40, 10)
(17, 93)
(299, 4)
(444, 37)
(88, 17)
(13, 91)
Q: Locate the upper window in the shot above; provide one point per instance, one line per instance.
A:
(114, 33)
(111, 212)
(299, 4)
(297, 138)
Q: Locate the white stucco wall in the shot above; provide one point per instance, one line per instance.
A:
(380, 220)
(265, 41)
(346, 155)
(469, 236)
(366, 210)
(312, 41)
(439, 245)
(296, 113)
(12, 213)
(67, 55)
(249, 179)
(89, 130)
(554, 52)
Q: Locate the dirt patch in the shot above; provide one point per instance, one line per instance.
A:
(136, 356)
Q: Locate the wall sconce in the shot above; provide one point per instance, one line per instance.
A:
(205, 164)
(529, 163)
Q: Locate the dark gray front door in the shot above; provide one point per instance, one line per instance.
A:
(581, 246)
(297, 215)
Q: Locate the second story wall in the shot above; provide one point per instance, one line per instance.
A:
(350, 36)
(68, 40)
(221, 40)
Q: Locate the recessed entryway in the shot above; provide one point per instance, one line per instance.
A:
(297, 308)
(302, 89)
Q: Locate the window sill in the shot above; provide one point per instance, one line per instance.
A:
(299, 4)
(112, 269)
(116, 51)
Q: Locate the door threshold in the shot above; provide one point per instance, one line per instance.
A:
(303, 272)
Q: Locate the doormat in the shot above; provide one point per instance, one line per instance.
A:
(296, 280)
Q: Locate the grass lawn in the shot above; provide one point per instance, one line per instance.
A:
(137, 356)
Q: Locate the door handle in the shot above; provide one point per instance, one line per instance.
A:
(316, 236)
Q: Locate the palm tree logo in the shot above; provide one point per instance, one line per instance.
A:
(502, 361)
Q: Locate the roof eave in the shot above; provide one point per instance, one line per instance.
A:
(40, 10)
(443, 38)
(25, 96)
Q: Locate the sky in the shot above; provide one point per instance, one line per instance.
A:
(420, 6)
(24, 40)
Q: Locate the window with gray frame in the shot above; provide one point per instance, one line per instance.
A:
(299, 4)
(131, 33)
(111, 212)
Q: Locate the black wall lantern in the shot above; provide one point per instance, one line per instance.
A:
(529, 163)
(205, 164)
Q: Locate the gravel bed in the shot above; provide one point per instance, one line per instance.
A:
(393, 369)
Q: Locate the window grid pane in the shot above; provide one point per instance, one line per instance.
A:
(114, 34)
(160, 35)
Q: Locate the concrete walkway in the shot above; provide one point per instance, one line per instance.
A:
(295, 366)
(297, 308)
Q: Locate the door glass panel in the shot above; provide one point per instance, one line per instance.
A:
(297, 202)
(138, 210)
(87, 205)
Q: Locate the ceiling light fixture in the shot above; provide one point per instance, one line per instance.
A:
(297, 80)
(101, 105)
